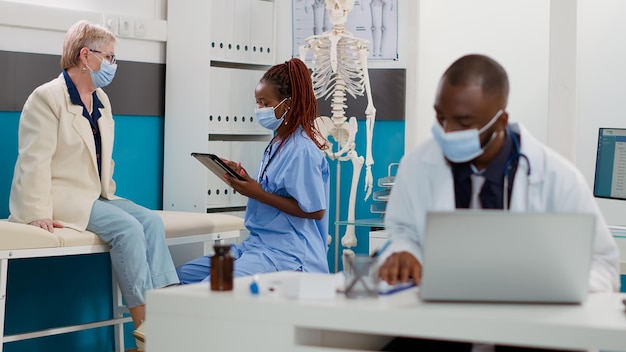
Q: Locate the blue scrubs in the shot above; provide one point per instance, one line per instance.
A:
(279, 241)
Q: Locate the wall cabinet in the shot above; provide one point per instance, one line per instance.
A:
(216, 53)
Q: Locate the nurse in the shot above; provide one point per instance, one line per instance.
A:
(288, 195)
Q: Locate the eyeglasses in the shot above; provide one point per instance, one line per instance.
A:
(109, 57)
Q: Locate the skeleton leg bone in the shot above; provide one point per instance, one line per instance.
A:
(349, 238)
(346, 253)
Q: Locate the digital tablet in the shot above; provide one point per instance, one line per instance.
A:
(216, 165)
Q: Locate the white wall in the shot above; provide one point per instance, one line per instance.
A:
(38, 26)
(138, 8)
(601, 85)
(516, 34)
(566, 64)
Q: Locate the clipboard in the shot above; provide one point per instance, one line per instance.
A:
(216, 165)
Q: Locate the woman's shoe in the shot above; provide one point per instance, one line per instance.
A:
(140, 337)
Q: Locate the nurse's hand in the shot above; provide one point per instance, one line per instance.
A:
(247, 187)
(46, 224)
(401, 267)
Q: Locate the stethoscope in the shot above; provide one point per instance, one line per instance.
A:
(267, 159)
(507, 170)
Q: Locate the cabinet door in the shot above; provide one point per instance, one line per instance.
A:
(262, 32)
(217, 191)
(242, 101)
(241, 30)
(222, 15)
(219, 99)
(253, 77)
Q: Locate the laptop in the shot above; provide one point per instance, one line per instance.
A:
(497, 256)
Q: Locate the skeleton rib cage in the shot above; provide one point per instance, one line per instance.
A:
(349, 69)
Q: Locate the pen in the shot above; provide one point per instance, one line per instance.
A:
(381, 249)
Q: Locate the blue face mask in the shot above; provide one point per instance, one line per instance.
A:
(267, 118)
(104, 76)
(463, 146)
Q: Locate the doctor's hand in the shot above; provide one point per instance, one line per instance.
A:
(401, 267)
(46, 224)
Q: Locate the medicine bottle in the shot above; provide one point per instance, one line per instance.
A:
(222, 268)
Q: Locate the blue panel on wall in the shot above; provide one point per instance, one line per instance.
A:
(8, 145)
(138, 155)
(387, 147)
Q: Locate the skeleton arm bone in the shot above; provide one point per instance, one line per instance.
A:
(304, 50)
(311, 43)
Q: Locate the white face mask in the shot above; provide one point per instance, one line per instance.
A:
(462, 146)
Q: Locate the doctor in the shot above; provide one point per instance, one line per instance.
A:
(464, 165)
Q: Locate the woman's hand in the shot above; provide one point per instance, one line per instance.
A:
(248, 186)
(46, 224)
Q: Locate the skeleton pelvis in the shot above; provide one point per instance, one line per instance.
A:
(342, 130)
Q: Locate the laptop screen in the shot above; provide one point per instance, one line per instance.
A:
(610, 174)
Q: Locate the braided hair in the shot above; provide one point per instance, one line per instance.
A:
(293, 80)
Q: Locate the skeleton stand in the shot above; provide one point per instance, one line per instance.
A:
(339, 66)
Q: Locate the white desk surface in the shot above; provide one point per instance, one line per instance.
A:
(192, 317)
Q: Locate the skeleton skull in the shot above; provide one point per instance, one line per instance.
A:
(338, 10)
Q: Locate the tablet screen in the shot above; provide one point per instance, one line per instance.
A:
(216, 165)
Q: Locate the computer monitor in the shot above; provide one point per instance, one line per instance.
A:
(610, 176)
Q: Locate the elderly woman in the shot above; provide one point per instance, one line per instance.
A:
(64, 172)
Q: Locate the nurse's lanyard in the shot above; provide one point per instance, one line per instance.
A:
(267, 153)
(507, 169)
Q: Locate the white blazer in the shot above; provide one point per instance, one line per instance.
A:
(424, 182)
(56, 173)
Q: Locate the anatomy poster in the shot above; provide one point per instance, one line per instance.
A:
(373, 20)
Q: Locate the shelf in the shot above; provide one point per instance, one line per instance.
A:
(386, 181)
(231, 63)
(618, 231)
(374, 222)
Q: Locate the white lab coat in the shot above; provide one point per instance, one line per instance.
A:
(424, 182)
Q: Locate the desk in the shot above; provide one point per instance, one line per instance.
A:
(191, 318)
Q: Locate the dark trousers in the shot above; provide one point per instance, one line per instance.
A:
(402, 344)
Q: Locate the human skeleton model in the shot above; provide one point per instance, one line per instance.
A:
(339, 66)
